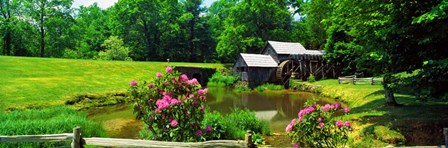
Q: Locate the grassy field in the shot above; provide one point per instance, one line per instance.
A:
(27, 82)
(420, 123)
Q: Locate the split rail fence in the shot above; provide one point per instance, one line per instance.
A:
(354, 80)
(78, 142)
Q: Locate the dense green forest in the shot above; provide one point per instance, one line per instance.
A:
(377, 37)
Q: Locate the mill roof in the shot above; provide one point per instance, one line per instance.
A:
(287, 47)
(258, 60)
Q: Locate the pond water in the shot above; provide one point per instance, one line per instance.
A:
(278, 107)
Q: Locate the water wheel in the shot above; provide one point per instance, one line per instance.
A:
(286, 70)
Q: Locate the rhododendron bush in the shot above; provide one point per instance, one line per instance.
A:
(172, 105)
(316, 126)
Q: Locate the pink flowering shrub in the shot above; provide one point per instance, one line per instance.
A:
(172, 106)
(315, 126)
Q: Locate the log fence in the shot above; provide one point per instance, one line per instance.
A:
(355, 80)
(78, 142)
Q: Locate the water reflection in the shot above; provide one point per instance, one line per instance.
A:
(278, 107)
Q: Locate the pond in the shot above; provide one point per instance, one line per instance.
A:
(277, 107)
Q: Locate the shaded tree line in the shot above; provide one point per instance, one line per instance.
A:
(153, 30)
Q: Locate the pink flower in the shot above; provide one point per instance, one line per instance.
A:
(175, 102)
(133, 83)
(296, 145)
(162, 104)
(174, 123)
(159, 75)
(190, 96)
(183, 78)
(337, 105)
(193, 81)
(347, 124)
(194, 103)
(320, 119)
(169, 69)
(321, 124)
(290, 126)
(209, 128)
(339, 123)
(150, 85)
(346, 109)
(326, 108)
(202, 91)
(305, 111)
(198, 133)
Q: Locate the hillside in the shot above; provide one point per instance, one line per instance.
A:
(28, 81)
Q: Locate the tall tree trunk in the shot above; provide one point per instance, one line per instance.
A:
(42, 29)
(7, 40)
(147, 38)
(388, 91)
(42, 41)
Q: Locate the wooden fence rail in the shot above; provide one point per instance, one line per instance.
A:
(354, 80)
(79, 142)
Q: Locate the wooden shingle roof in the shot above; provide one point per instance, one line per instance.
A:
(258, 60)
(287, 47)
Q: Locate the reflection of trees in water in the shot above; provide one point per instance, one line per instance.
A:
(285, 104)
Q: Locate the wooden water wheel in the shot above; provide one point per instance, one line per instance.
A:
(286, 70)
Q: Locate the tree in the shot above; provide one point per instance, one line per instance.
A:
(8, 10)
(382, 36)
(310, 30)
(50, 15)
(90, 30)
(250, 24)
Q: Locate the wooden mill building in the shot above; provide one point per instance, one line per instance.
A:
(280, 61)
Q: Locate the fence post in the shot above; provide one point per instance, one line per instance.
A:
(76, 143)
(353, 79)
(248, 139)
(445, 132)
(372, 81)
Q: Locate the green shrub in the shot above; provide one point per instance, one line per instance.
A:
(269, 86)
(242, 86)
(172, 105)
(304, 86)
(239, 121)
(316, 126)
(234, 125)
(217, 121)
(312, 78)
(115, 50)
(221, 79)
(55, 120)
(71, 54)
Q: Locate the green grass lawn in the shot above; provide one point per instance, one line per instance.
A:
(421, 123)
(28, 81)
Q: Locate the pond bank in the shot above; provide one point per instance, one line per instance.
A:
(377, 125)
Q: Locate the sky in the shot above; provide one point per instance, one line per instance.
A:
(108, 3)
